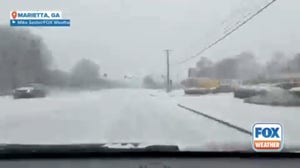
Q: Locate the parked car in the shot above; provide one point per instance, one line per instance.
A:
(223, 89)
(32, 90)
(249, 91)
(295, 91)
(197, 90)
(288, 85)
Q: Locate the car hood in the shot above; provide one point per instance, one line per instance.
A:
(127, 147)
(212, 147)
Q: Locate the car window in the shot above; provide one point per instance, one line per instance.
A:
(198, 74)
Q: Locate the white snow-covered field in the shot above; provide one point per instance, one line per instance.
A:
(136, 115)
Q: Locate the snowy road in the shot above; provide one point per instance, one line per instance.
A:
(118, 115)
(235, 111)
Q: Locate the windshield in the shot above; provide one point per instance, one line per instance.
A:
(200, 74)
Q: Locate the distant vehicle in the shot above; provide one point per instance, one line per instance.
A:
(195, 90)
(288, 85)
(32, 90)
(200, 85)
(295, 91)
(223, 88)
(246, 91)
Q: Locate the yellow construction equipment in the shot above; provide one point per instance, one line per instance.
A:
(205, 83)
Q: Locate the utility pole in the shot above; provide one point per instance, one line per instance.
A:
(168, 71)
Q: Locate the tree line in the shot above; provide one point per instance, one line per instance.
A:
(24, 58)
(245, 66)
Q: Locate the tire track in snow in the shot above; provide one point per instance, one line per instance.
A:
(217, 120)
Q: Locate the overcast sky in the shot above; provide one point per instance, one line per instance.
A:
(129, 36)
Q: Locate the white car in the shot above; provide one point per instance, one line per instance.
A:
(29, 91)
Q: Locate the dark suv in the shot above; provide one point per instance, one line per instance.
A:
(32, 90)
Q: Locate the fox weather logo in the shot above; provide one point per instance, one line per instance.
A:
(267, 137)
(38, 18)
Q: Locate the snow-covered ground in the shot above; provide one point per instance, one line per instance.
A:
(225, 106)
(136, 115)
(117, 115)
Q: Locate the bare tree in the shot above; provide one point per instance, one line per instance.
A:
(23, 58)
(276, 65)
(204, 63)
(150, 82)
(85, 73)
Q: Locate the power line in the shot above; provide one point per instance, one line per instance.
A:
(243, 17)
(229, 33)
(226, 29)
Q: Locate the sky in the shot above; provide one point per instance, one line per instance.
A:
(128, 37)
